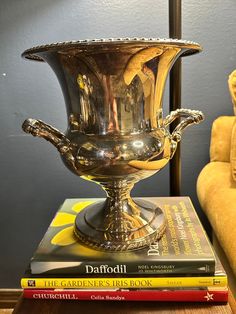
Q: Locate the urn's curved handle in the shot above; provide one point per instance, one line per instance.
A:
(49, 133)
(190, 117)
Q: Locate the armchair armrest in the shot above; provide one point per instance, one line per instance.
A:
(220, 147)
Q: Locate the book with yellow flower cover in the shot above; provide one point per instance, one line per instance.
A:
(183, 249)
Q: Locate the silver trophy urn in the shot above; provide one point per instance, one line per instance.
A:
(116, 133)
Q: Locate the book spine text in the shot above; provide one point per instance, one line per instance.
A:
(136, 295)
(137, 282)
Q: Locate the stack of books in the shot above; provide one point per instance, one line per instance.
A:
(181, 266)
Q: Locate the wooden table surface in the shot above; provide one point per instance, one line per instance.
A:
(28, 306)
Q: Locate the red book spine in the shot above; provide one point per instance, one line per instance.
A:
(130, 295)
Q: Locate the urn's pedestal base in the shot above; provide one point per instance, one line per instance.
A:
(107, 227)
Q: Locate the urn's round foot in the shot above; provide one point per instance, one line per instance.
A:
(136, 226)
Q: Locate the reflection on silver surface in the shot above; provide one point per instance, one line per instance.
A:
(116, 134)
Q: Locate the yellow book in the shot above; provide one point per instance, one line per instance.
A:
(125, 282)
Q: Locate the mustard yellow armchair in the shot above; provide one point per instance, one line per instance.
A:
(216, 185)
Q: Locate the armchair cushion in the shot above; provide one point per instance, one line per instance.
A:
(221, 138)
(223, 142)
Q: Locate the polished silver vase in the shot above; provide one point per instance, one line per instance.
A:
(116, 133)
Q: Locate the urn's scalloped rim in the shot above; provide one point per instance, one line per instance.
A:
(31, 53)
